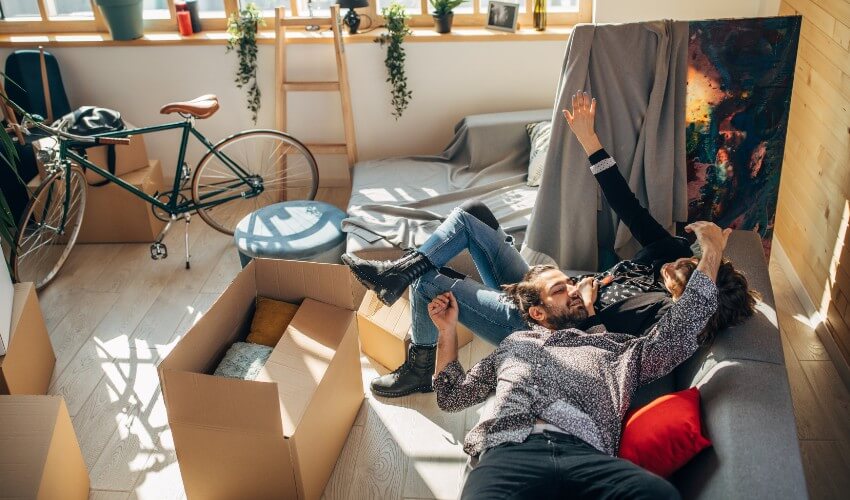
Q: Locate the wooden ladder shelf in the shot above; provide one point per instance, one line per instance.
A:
(283, 86)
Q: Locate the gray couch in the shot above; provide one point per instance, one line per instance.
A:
(746, 399)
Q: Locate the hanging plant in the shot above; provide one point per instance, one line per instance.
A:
(242, 28)
(397, 29)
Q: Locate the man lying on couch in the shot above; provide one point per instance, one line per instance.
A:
(561, 392)
(633, 295)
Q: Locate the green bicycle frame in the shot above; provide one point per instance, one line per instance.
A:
(172, 206)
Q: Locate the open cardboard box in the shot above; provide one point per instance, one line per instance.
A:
(28, 364)
(278, 436)
(385, 331)
(39, 452)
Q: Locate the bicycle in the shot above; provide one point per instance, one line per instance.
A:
(236, 176)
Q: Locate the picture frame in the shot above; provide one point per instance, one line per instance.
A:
(502, 16)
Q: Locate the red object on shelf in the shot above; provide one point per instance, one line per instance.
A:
(181, 6)
(184, 23)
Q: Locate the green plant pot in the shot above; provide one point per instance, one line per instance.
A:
(443, 24)
(124, 18)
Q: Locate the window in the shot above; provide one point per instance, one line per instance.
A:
(81, 16)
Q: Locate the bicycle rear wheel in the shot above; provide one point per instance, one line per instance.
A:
(49, 227)
(277, 163)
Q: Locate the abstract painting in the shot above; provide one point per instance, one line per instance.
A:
(740, 74)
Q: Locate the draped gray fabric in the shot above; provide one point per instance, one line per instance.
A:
(638, 74)
(401, 201)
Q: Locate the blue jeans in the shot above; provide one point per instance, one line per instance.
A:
(482, 307)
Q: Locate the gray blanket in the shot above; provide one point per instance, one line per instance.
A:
(637, 72)
(402, 200)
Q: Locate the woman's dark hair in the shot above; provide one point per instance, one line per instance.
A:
(735, 301)
(526, 293)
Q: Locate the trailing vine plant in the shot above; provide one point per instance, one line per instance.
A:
(242, 28)
(397, 29)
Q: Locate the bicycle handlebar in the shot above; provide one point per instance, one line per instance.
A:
(37, 123)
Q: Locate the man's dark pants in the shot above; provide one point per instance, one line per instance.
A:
(555, 465)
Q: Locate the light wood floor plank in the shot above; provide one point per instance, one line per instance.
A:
(833, 396)
(812, 420)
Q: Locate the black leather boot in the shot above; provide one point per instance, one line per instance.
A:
(412, 376)
(388, 279)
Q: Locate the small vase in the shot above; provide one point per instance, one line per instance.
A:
(443, 24)
(539, 14)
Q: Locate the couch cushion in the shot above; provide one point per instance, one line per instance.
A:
(748, 417)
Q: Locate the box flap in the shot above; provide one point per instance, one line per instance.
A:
(292, 281)
(303, 355)
(217, 402)
(205, 343)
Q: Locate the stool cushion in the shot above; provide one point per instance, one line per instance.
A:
(295, 230)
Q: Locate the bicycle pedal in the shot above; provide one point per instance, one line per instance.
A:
(159, 251)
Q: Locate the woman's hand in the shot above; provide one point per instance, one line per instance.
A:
(712, 241)
(443, 311)
(582, 119)
(588, 289)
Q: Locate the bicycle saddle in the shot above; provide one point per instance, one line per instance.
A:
(199, 107)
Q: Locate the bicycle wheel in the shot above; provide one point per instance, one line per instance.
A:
(49, 227)
(270, 167)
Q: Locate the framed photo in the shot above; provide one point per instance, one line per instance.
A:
(502, 16)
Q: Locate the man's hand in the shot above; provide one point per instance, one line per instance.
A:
(712, 240)
(709, 235)
(581, 120)
(443, 312)
(587, 289)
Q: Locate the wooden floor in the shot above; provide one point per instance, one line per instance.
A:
(113, 314)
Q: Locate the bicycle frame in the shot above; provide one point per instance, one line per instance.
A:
(172, 206)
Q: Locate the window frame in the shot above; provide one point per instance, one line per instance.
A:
(45, 25)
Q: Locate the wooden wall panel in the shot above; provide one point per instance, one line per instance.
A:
(813, 207)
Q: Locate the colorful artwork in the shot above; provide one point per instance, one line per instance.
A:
(740, 74)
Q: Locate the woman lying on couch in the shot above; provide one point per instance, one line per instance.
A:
(632, 296)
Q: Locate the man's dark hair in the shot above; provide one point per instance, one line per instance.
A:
(735, 301)
(526, 293)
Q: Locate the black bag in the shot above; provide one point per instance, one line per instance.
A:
(91, 120)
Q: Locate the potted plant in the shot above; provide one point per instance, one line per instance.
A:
(124, 18)
(242, 28)
(443, 14)
(397, 29)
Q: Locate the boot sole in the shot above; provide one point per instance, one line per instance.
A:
(371, 286)
(401, 394)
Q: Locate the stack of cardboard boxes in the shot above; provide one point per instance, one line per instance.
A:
(39, 453)
(113, 214)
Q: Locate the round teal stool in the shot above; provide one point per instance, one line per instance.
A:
(294, 230)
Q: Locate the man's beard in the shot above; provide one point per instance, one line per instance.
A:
(565, 318)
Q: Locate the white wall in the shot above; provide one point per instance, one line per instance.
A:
(449, 80)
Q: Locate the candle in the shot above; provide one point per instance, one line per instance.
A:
(184, 23)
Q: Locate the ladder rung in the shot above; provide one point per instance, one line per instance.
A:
(311, 86)
(306, 21)
(327, 149)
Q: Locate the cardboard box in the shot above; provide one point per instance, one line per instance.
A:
(114, 215)
(39, 453)
(28, 364)
(129, 158)
(385, 331)
(278, 436)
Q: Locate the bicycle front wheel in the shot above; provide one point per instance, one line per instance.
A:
(49, 227)
(251, 170)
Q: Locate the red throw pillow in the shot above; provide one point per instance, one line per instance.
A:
(664, 435)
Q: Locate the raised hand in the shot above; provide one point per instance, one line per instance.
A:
(582, 121)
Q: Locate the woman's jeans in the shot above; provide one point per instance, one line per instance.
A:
(483, 308)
